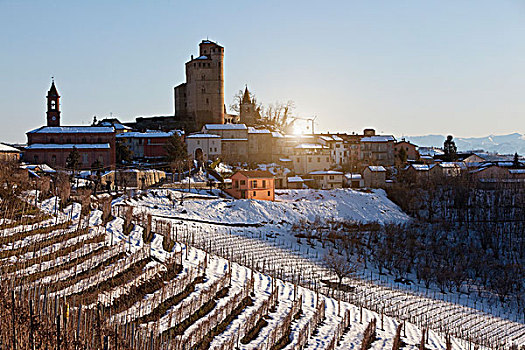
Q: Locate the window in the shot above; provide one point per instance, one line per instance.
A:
(309, 159)
(298, 160)
(211, 150)
(331, 177)
(254, 184)
(327, 159)
(254, 193)
(215, 149)
(207, 101)
(235, 184)
(318, 159)
(85, 158)
(264, 183)
(203, 77)
(243, 182)
(269, 194)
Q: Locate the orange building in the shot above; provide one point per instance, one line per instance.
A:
(253, 184)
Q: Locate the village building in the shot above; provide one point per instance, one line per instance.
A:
(234, 141)
(327, 179)
(8, 153)
(308, 157)
(295, 182)
(200, 100)
(336, 144)
(410, 150)
(204, 147)
(377, 149)
(353, 180)
(447, 169)
(419, 171)
(53, 143)
(253, 184)
(132, 178)
(374, 176)
(148, 145)
(259, 145)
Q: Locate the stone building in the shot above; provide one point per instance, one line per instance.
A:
(248, 111)
(9, 154)
(200, 100)
(53, 143)
(311, 157)
(374, 176)
(377, 149)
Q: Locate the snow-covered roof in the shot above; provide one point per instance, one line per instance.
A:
(310, 145)
(337, 138)
(295, 179)
(69, 146)
(117, 126)
(6, 148)
(326, 172)
(225, 127)
(234, 139)
(73, 130)
(452, 165)
(276, 134)
(252, 130)
(376, 168)
(285, 160)
(378, 138)
(148, 134)
(421, 167)
(517, 171)
(42, 167)
(353, 176)
(202, 136)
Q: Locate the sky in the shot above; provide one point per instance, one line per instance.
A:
(401, 67)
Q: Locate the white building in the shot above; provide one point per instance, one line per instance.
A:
(204, 146)
(326, 179)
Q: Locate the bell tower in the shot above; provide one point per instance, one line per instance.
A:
(53, 106)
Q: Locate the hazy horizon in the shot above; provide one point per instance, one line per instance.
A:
(406, 69)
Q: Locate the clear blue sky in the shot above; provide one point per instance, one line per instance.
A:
(403, 67)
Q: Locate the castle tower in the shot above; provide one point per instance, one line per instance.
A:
(200, 100)
(53, 106)
(248, 112)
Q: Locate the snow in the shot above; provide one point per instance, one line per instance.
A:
(517, 171)
(73, 130)
(421, 167)
(229, 140)
(290, 206)
(252, 130)
(376, 168)
(378, 138)
(42, 167)
(148, 134)
(202, 136)
(326, 172)
(69, 146)
(295, 179)
(353, 176)
(225, 127)
(6, 148)
(310, 146)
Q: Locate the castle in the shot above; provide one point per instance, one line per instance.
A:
(200, 100)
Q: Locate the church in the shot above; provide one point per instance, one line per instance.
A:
(51, 144)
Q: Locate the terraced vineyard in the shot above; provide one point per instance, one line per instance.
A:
(75, 282)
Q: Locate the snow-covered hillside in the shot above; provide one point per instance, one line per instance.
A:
(290, 206)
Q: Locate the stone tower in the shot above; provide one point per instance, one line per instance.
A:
(200, 100)
(248, 112)
(53, 106)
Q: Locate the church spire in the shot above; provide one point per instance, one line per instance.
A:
(53, 105)
(246, 97)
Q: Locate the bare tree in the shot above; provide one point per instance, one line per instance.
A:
(340, 265)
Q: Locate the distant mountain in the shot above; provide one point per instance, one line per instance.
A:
(502, 144)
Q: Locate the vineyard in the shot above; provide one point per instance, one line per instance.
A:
(83, 278)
